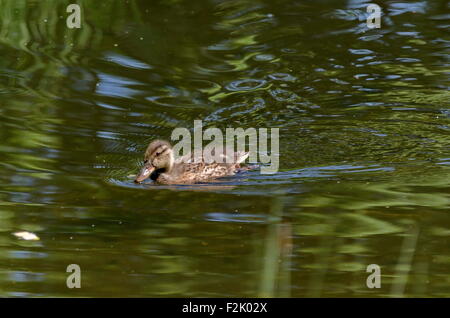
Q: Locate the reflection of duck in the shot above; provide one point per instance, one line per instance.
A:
(161, 166)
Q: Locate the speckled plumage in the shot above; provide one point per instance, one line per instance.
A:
(160, 166)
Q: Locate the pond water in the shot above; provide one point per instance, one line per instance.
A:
(364, 122)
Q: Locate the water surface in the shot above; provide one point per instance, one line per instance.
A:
(364, 119)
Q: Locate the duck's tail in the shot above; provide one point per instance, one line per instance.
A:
(241, 156)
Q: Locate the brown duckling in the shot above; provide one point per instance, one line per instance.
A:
(160, 165)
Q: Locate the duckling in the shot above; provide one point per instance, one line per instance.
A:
(160, 165)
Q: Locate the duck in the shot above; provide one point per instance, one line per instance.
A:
(161, 166)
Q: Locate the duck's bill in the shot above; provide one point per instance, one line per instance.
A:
(145, 172)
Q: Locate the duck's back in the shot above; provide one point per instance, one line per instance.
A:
(192, 169)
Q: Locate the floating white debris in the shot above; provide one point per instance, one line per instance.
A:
(27, 236)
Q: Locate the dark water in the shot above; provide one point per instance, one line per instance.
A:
(364, 118)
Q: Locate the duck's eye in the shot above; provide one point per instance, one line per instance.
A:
(145, 161)
(158, 153)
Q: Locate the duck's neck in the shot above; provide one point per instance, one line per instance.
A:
(170, 164)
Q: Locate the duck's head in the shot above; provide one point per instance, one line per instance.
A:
(158, 156)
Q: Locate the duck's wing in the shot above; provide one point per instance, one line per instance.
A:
(240, 156)
(206, 171)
